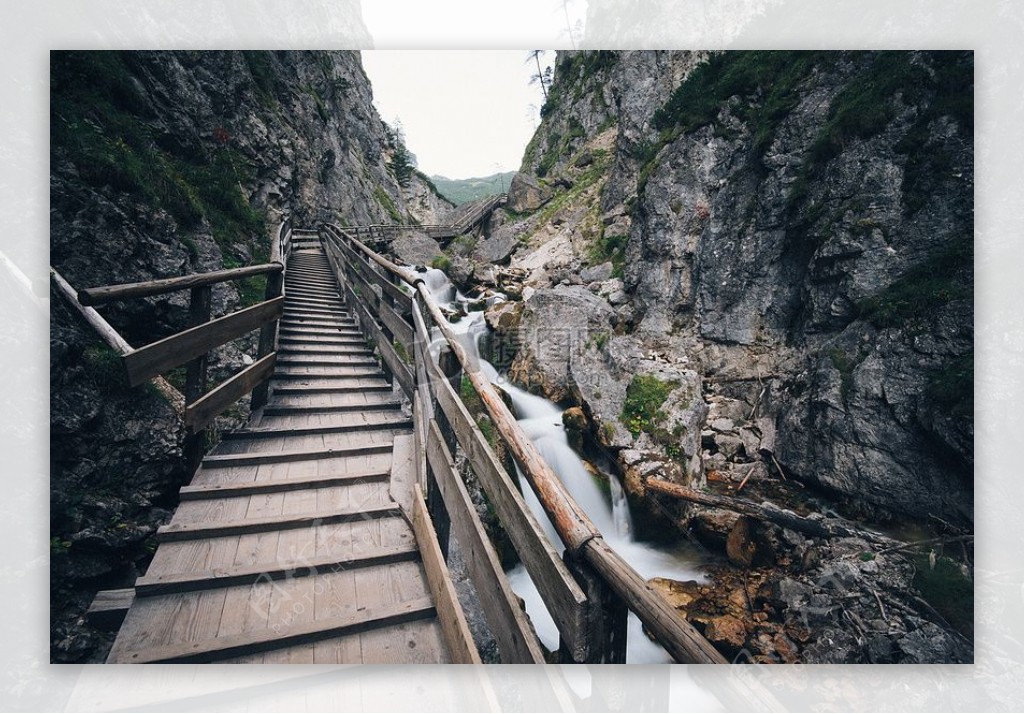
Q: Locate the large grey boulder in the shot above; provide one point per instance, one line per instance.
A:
(526, 194)
(415, 248)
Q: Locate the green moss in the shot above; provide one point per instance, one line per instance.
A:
(100, 122)
(845, 365)
(645, 395)
(441, 262)
(948, 590)
(941, 278)
(387, 204)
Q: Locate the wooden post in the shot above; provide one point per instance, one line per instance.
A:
(195, 379)
(268, 340)
(606, 618)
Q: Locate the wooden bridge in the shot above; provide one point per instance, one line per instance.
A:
(320, 532)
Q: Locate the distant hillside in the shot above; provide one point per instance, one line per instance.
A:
(463, 190)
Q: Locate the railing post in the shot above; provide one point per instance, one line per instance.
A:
(606, 617)
(268, 340)
(195, 379)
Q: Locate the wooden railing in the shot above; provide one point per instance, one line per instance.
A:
(192, 346)
(590, 588)
(383, 233)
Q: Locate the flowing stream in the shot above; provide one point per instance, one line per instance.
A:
(541, 419)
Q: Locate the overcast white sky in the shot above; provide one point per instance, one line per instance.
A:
(465, 112)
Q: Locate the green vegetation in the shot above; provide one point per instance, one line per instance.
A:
(952, 387)
(935, 282)
(947, 589)
(441, 262)
(475, 405)
(105, 366)
(403, 354)
(845, 365)
(460, 191)
(609, 248)
(99, 121)
(644, 397)
(581, 183)
(387, 204)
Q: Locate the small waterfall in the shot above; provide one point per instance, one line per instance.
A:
(541, 420)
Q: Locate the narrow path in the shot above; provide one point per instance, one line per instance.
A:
(289, 544)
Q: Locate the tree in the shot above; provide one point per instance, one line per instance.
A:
(543, 75)
(401, 164)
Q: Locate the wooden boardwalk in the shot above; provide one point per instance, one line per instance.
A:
(295, 540)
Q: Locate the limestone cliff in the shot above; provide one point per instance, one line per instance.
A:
(791, 234)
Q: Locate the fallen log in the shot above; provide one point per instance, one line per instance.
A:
(767, 512)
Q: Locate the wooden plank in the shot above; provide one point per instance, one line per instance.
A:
(212, 649)
(454, 627)
(277, 485)
(109, 607)
(178, 349)
(562, 595)
(282, 410)
(107, 293)
(403, 476)
(147, 586)
(398, 424)
(401, 329)
(509, 624)
(398, 368)
(276, 457)
(199, 414)
(176, 532)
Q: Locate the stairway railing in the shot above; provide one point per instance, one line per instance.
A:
(381, 233)
(590, 588)
(192, 346)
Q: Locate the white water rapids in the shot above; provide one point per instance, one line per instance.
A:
(541, 419)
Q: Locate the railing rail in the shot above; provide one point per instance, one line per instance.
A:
(589, 593)
(387, 231)
(192, 346)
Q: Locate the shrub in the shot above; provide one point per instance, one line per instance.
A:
(645, 395)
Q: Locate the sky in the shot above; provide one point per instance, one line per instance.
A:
(465, 113)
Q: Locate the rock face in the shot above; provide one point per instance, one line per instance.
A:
(163, 164)
(810, 258)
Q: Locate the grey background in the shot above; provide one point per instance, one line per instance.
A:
(30, 29)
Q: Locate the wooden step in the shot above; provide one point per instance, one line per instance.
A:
(274, 409)
(278, 457)
(400, 424)
(280, 485)
(365, 374)
(251, 574)
(324, 362)
(332, 389)
(289, 635)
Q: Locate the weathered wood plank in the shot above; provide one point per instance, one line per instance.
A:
(563, 597)
(509, 624)
(277, 485)
(170, 352)
(212, 529)
(200, 413)
(401, 329)
(284, 636)
(109, 607)
(454, 627)
(108, 293)
(148, 586)
(398, 423)
(273, 457)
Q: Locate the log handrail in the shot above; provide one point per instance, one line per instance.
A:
(584, 542)
(148, 288)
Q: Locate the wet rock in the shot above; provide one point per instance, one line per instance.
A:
(574, 419)
(712, 526)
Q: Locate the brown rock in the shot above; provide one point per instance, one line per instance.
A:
(786, 649)
(678, 594)
(726, 632)
(741, 546)
(712, 526)
(573, 418)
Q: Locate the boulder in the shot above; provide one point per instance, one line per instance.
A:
(726, 632)
(597, 273)
(496, 249)
(526, 194)
(415, 248)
